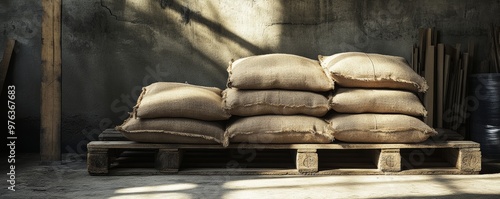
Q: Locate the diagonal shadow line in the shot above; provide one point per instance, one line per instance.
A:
(220, 71)
(214, 27)
(448, 184)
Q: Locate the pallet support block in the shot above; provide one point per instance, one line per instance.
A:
(389, 160)
(97, 161)
(307, 161)
(168, 160)
(469, 160)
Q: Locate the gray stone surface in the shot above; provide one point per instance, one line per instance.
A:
(110, 49)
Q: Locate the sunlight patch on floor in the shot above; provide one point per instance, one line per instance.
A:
(159, 188)
(154, 195)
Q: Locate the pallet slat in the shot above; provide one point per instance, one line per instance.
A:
(338, 145)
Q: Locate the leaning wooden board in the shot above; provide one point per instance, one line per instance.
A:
(431, 157)
(4, 63)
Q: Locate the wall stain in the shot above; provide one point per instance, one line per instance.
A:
(165, 3)
(186, 14)
(136, 22)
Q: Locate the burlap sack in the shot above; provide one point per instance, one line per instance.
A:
(275, 102)
(172, 130)
(347, 100)
(169, 99)
(354, 69)
(379, 128)
(279, 129)
(281, 138)
(278, 71)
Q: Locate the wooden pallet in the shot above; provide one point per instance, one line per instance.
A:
(431, 157)
(112, 135)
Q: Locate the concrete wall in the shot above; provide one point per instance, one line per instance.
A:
(20, 20)
(112, 48)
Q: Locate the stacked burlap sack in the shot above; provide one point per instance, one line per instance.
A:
(169, 112)
(277, 98)
(375, 99)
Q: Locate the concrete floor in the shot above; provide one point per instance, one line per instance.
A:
(69, 179)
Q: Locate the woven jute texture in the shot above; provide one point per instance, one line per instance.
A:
(169, 99)
(363, 70)
(279, 129)
(278, 71)
(172, 130)
(346, 100)
(275, 102)
(379, 128)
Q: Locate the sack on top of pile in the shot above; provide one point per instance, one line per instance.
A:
(279, 129)
(278, 71)
(379, 128)
(356, 69)
(347, 100)
(171, 99)
(277, 102)
(172, 130)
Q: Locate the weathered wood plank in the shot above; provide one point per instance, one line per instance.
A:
(440, 86)
(112, 135)
(449, 157)
(4, 64)
(443, 135)
(136, 145)
(429, 76)
(50, 120)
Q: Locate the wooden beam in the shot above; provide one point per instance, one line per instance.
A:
(440, 86)
(429, 76)
(4, 64)
(50, 130)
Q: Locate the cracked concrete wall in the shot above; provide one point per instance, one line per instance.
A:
(113, 48)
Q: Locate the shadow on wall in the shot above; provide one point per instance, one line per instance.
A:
(113, 48)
